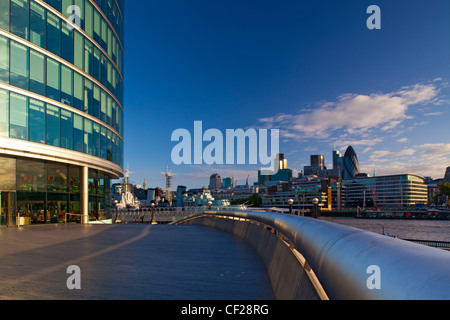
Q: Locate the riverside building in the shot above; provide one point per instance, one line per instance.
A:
(394, 191)
(61, 108)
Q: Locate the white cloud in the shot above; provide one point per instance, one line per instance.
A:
(354, 113)
(429, 159)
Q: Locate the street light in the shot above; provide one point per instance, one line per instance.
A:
(290, 202)
(153, 212)
(315, 202)
(116, 202)
(209, 204)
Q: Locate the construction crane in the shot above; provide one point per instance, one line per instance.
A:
(169, 175)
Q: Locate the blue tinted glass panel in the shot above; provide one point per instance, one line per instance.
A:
(66, 85)
(53, 34)
(38, 25)
(78, 133)
(20, 18)
(37, 121)
(19, 65)
(4, 15)
(66, 129)
(53, 126)
(55, 4)
(67, 43)
(37, 73)
(53, 79)
(4, 113)
(4, 59)
(18, 116)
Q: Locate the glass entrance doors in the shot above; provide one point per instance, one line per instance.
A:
(8, 215)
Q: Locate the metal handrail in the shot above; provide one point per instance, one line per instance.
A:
(342, 258)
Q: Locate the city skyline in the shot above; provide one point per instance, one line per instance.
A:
(313, 70)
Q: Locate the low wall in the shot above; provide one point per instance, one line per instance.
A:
(341, 262)
(289, 278)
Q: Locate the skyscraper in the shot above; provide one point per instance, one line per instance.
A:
(215, 181)
(61, 108)
(350, 164)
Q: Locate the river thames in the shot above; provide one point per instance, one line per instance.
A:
(435, 230)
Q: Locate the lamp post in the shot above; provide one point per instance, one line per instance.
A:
(209, 204)
(153, 212)
(117, 210)
(290, 202)
(315, 202)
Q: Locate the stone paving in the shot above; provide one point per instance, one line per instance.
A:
(129, 262)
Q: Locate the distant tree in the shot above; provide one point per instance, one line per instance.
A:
(444, 189)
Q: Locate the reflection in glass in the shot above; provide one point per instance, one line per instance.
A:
(30, 175)
(57, 177)
(4, 113)
(37, 121)
(53, 79)
(18, 121)
(19, 65)
(4, 59)
(53, 126)
(37, 72)
(8, 174)
(38, 25)
(19, 18)
(66, 129)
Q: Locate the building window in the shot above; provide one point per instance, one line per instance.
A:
(37, 73)
(4, 113)
(78, 133)
(37, 121)
(19, 65)
(53, 126)
(78, 91)
(30, 175)
(66, 129)
(57, 180)
(55, 4)
(66, 85)
(4, 59)
(18, 121)
(53, 79)
(79, 50)
(20, 18)
(4, 15)
(38, 25)
(53, 34)
(8, 173)
(67, 43)
(88, 136)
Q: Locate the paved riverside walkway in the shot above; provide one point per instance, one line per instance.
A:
(124, 262)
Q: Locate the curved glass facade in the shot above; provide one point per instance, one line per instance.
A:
(61, 85)
(350, 163)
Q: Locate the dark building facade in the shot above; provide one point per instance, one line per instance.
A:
(350, 164)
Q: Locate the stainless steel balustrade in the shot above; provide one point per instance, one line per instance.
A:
(341, 258)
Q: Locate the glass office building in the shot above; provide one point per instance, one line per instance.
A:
(395, 191)
(61, 108)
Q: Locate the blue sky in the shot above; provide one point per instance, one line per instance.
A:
(309, 68)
